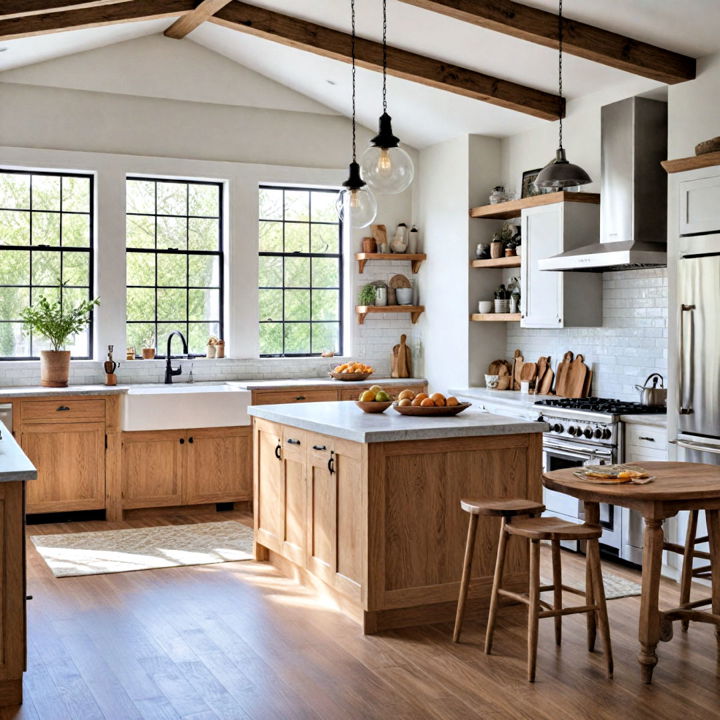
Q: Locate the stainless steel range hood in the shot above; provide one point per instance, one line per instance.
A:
(633, 195)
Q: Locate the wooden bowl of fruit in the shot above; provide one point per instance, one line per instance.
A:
(352, 371)
(374, 400)
(424, 405)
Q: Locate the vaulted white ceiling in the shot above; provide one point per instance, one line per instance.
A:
(421, 115)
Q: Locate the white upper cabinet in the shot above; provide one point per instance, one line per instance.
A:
(700, 205)
(552, 299)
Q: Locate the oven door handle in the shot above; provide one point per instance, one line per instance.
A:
(573, 449)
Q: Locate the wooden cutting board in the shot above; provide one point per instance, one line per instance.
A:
(588, 384)
(401, 359)
(499, 367)
(528, 372)
(562, 373)
(543, 364)
(516, 368)
(577, 377)
(544, 386)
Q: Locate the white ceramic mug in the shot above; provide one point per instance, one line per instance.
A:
(485, 306)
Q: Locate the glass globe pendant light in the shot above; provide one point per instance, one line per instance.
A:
(560, 173)
(386, 167)
(355, 202)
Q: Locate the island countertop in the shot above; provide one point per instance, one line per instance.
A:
(345, 420)
(14, 464)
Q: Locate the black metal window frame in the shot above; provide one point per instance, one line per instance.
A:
(339, 256)
(89, 250)
(183, 326)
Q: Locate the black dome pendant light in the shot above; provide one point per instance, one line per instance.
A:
(355, 202)
(560, 173)
(386, 167)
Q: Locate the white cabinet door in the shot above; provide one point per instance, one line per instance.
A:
(700, 205)
(541, 302)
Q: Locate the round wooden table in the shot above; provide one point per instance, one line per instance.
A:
(676, 486)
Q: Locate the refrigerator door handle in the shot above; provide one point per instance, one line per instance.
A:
(700, 447)
(685, 406)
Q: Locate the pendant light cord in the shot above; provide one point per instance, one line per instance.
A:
(352, 19)
(560, 67)
(384, 56)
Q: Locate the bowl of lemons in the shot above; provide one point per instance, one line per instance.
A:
(374, 400)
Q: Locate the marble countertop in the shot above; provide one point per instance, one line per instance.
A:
(345, 420)
(655, 420)
(39, 390)
(14, 464)
(322, 382)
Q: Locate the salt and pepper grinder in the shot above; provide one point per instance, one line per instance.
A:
(110, 367)
(413, 241)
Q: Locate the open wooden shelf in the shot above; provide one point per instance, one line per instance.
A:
(502, 262)
(415, 258)
(691, 163)
(512, 208)
(495, 317)
(364, 310)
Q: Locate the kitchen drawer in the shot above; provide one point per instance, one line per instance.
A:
(62, 410)
(648, 437)
(273, 397)
(353, 393)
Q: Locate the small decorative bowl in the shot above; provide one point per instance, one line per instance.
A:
(350, 377)
(485, 306)
(374, 406)
(491, 381)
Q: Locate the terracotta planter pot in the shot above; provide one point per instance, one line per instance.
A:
(54, 368)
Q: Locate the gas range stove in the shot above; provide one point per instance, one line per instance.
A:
(589, 420)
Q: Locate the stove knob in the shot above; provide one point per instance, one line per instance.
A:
(557, 427)
(606, 434)
(573, 430)
(598, 433)
(588, 432)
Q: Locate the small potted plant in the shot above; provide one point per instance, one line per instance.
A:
(367, 295)
(148, 351)
(57, 324)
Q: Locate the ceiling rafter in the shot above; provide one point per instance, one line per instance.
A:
(308, 36)
(23, 8)
(580, 39)
(187, 23)
(95, 16)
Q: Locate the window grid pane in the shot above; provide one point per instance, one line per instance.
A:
(301, 272)
(46, 239)
(174, 233)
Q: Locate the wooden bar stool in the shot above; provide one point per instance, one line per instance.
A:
(506, 509)
(689, 553)
(556, 530)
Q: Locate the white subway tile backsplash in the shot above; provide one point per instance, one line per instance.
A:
(631, 344)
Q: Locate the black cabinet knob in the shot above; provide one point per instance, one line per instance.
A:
(182, 441)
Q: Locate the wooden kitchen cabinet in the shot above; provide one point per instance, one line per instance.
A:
(186, 467)
(152, 469)
(552, 299)
(293, 395)
(70, 459)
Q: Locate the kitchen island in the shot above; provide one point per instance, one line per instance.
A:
(366, 508)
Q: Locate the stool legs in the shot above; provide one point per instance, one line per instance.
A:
(497, 583)
(593, 563)
(687, 568)
(713, 523)
(467, 569)
(533, 608)
(557, 585)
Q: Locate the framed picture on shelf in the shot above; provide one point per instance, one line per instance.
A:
(528, 183)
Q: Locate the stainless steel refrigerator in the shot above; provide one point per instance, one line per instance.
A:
(699, 376)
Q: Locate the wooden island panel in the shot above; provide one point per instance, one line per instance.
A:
(383, 529)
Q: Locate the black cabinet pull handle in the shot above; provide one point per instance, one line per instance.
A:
(277, 451)
(646, 438)
(62, 408)
(331, 463)
(300, 397)
(182, 441)
(319, 447)
(292, 441)
(190, 440)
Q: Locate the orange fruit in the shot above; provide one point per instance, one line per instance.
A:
(421, 396)
(409, 394)
(416, 402)
(405, 402)
(427, 402)
(438, 399)
(452, 401)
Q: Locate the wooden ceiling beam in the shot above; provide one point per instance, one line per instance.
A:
(187, 23)
(94, 16)
(324, 41)
(23, 8)
(585, 41)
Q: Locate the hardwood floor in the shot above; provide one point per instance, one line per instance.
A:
(238, 640)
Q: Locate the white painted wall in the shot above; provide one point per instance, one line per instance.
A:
(113, 135)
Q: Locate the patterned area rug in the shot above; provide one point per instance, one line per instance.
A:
(615, 586)
(116, 551)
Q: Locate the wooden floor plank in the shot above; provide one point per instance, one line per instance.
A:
(238, 640)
